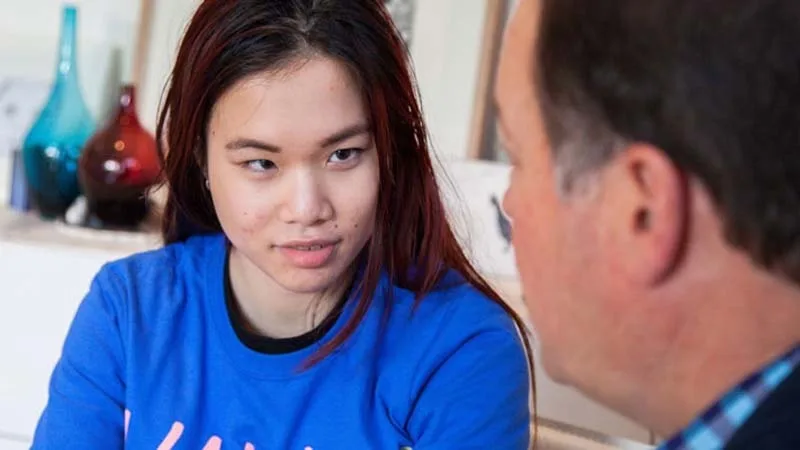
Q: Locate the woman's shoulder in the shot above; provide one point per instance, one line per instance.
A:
(454, 303)
(154, 274)
(452, 347)
(165, 261)
(444, 320)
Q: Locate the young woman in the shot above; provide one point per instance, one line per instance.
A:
(311, 294)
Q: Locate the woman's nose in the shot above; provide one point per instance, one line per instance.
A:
(307, 200)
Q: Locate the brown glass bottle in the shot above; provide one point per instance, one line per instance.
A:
(118, 165)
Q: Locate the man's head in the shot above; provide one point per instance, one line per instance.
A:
(656, 152)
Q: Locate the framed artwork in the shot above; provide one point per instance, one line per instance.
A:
(483, 140)
(144, 31)
(402, 11)
(472, 192)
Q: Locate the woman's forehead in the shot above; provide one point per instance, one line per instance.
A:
(311, 103)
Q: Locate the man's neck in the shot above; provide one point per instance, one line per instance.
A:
(271, 310)
(729, 336)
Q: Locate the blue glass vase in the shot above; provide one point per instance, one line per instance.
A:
(53, 145)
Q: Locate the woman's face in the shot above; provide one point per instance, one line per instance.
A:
(293, 172)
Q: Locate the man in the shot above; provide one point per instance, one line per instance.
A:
(655, 199)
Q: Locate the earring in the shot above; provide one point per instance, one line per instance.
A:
(208, 185)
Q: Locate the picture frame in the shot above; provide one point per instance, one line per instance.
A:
(483, 143)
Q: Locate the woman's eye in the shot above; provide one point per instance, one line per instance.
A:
(260, 165)
(344, 155)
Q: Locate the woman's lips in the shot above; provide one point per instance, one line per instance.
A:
(308, 254)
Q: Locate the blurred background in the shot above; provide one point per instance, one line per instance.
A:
(448, 41)
(47, 260)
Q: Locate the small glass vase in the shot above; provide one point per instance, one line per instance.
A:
(51, 148)
(118, 165)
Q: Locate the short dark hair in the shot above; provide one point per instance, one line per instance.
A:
(714, 84)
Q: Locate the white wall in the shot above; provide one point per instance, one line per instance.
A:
(169, 20)
(29, 33)
(446, 50)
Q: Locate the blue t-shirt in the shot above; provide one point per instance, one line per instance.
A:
(152, 360)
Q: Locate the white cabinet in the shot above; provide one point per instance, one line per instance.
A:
(13, 444)
(44, 274)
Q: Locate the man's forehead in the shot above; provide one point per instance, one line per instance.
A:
(525, 20)
(515, 87)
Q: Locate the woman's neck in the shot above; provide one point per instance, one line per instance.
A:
(272, 311)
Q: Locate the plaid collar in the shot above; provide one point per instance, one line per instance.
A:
(718, 424)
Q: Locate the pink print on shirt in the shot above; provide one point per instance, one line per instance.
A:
(214, 443)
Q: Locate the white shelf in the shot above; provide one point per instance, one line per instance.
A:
(29, 229)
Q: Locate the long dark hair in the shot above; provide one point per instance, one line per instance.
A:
(229, 40)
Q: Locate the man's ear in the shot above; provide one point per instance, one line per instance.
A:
(646, 213)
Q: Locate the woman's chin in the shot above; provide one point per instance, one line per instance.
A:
(308, 281)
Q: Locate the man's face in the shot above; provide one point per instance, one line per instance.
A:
(555, 237)
(618, 270)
